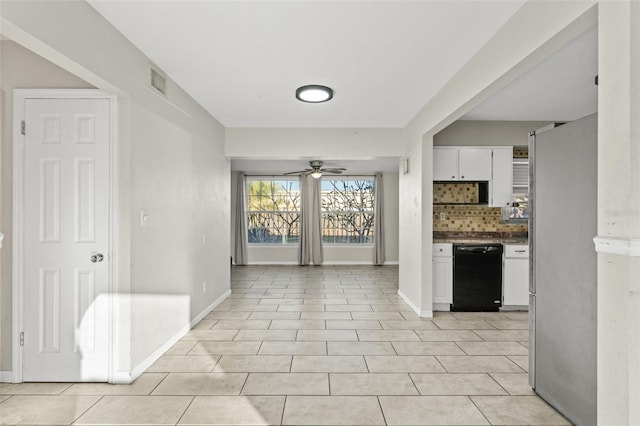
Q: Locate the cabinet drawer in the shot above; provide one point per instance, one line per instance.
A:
(442, 250)
(516, 251)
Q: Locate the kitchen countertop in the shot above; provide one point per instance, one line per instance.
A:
(514, 241)
(479, 238)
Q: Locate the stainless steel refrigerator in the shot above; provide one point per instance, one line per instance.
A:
(562, 301)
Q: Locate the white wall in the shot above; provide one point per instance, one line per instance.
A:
(170, 162)
(486, 133)
(288, 254)
(619, 213)
(20, 68)
(292, 143)
(329, 143)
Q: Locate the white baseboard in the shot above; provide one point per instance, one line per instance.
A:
(512, 308)
(422, 314)
(442, 307)
(6, 376)
(326, 263)
(125, 377)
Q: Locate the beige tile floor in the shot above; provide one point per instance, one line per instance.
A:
(331, 345)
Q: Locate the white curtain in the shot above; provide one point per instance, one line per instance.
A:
(316, 225)
(310, 248)
(241, 237)
(378, 219)
(304, 249)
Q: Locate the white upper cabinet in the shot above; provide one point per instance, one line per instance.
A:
(450, 163)
(445, 163)
(474, 163)
(501, 178)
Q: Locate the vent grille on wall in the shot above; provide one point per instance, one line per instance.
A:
(158, 81)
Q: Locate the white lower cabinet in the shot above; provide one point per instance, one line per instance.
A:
(516, 275)
(442, 274)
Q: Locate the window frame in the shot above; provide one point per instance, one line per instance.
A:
(248, 211)
(354, 245)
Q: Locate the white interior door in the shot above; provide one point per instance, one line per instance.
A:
(66, 240)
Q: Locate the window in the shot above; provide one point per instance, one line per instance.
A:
(347, 211)
(273, 210)
(520, 201)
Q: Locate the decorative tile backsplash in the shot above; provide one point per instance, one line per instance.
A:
(458, 217)
(468, 218)
(455, 193)
(520, 152)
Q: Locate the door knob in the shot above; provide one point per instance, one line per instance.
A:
(96, 258)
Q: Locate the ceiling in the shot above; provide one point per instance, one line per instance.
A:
(559, 89)
(243, 60)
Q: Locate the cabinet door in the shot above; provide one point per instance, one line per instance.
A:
(516, 282)
(445, 163)
(502, 177)
(442, 280)
(474, 163)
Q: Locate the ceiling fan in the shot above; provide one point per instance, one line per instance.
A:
(317, 171)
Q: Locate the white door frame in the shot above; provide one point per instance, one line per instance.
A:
(19, 98)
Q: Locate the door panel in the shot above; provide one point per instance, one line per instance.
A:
(474, 164)
(445, 163)
(565, 222)
(66, 221)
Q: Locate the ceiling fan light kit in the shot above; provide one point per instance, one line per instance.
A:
(314, 93)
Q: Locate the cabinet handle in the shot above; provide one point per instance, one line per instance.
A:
(462, 177)
(453, 177)
(520, 251)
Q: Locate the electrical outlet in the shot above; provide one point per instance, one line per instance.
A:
(443, 216)
(204, 287)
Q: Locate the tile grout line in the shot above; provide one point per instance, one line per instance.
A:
(284, 406)
(441, 365)
(381, 410)
(246, 379)
(478, 408)
(499, 384)
(166, 374)
(193, 398)
(414, 384)
(88, 408)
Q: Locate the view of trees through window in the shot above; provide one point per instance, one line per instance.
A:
(347, 211)
(273, 209)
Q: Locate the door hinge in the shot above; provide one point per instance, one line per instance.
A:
(23, 128)
(22, 338)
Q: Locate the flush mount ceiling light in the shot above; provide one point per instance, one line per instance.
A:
(314, 93)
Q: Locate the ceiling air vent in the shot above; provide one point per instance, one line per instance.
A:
(158, 81)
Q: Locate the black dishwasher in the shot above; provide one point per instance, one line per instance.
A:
(477, 277)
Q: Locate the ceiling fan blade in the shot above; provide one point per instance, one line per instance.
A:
(336, 170)
(299, 172)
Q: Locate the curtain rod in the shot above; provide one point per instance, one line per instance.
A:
(293, 176)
